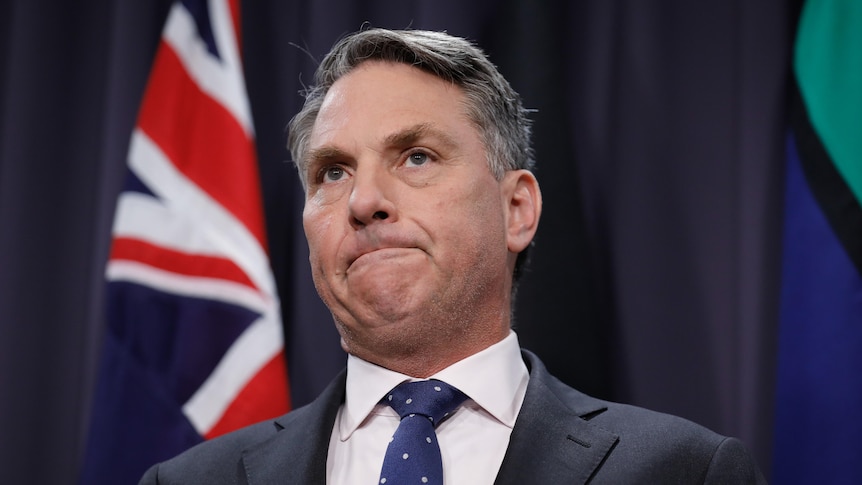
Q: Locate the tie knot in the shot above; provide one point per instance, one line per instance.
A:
(432, 398)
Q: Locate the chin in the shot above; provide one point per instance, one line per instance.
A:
(379, 343)
(388, 300)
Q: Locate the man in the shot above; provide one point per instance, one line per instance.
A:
(414, 153)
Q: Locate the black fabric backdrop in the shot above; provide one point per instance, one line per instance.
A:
(659, 142)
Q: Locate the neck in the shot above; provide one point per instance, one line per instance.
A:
(422, 358)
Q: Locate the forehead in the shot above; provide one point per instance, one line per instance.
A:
(377, 99)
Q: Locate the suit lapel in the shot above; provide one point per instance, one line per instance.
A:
(297, 453)
(551, 441)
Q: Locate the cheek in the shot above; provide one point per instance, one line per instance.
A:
(474, 220)
(318, 227)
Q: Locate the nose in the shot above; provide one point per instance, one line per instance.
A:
(370, 198)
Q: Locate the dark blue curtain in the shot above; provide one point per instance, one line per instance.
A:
(658, 133)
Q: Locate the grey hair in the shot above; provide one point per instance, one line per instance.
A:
(492, 105)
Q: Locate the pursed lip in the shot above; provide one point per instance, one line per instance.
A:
(380, 254)
(381, 246)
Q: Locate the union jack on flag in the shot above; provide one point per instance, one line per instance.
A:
(194, 345)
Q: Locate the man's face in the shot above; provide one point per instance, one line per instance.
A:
(406, 225)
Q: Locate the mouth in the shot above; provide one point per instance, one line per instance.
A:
(380, 255)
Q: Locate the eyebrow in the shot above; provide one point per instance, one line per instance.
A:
(412, 134)
(400, 139)
(325, 154)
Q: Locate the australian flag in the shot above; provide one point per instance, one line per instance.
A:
(194, 345)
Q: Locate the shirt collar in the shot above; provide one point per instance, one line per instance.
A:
(495, 378)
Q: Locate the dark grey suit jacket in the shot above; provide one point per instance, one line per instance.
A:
(561, 436)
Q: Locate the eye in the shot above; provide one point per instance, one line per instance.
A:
(417, 159)
(332, 173)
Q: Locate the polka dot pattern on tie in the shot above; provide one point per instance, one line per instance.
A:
(413, 454)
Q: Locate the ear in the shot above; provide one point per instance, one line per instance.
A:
(523, 201)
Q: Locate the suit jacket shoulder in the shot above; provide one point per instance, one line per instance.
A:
(289, 449)
(564, 436)
(560, 436)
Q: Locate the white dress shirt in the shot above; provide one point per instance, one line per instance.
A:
(472, 441)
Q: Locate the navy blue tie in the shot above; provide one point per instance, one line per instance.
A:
(413, 455)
